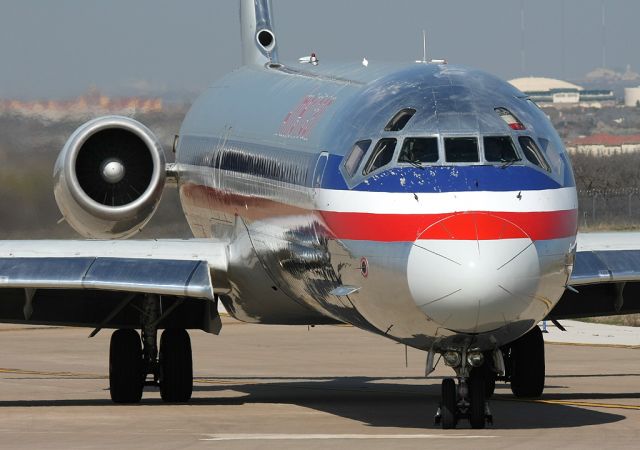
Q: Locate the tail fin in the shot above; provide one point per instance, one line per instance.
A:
(259, 45)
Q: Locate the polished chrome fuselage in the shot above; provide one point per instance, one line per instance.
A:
(260, 161)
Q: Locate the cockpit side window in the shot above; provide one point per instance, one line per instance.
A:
(532, 152)
(500, 149)
(419, 150)
(461, 150)
(355, 157)
(400, 120)
(381, 156)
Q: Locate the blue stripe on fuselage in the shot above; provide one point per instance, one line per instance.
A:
(443, 179)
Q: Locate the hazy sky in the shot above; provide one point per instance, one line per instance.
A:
(57, 48)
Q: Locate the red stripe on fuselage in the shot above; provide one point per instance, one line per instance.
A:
(393, 227)
(538, 226)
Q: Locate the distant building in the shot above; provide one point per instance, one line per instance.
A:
(605, 145)
(632, 96)
(558, 93)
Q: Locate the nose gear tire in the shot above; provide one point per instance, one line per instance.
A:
(487, 373)
(449, 404)
(478, 399)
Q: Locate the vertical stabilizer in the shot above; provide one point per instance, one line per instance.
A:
(259, 45)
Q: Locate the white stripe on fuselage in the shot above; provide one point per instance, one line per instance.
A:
(561, 199)
(445, 202)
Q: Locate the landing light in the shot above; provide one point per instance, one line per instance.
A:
(475, 359)
(452, 359)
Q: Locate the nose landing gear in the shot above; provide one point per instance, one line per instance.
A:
(467, 399)
(521, 363)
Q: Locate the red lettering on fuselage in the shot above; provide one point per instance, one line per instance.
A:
(300, 122)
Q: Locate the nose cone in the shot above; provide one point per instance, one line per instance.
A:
(473, 273)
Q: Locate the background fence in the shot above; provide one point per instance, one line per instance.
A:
(613, 209)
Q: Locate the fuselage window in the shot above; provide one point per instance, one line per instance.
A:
(400, 120)
(532, 152)
(381, 156)
(355, 157)
(419, 150)
(461, 150)
(500, 149)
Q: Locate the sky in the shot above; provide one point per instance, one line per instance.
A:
(59, 48)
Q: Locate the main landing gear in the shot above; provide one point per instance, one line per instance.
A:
(132, 360)
(524, 364)
(521, 363)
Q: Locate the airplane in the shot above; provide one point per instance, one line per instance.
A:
(429, 203)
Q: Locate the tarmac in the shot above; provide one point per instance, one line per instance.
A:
(277, 387)
(595, 334)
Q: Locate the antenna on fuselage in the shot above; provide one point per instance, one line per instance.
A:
(424, 53)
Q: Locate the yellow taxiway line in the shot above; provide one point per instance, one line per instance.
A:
(587, 404)
(584, 404)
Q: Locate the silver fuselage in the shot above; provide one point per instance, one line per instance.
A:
(440, 256)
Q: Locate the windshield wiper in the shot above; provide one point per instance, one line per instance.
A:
(508, 163)
(414, 163)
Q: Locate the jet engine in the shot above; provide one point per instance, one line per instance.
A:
(109, 178)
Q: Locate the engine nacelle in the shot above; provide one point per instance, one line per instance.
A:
(109, 178)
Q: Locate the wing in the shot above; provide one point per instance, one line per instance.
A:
(102, 283)
(605, 279)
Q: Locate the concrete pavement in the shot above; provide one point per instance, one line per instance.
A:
(293, 387)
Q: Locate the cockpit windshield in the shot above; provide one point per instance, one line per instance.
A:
(461, 150)
(381, 156)
(532, 153)
(419, 150)
(500, 149)
(370, 156)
